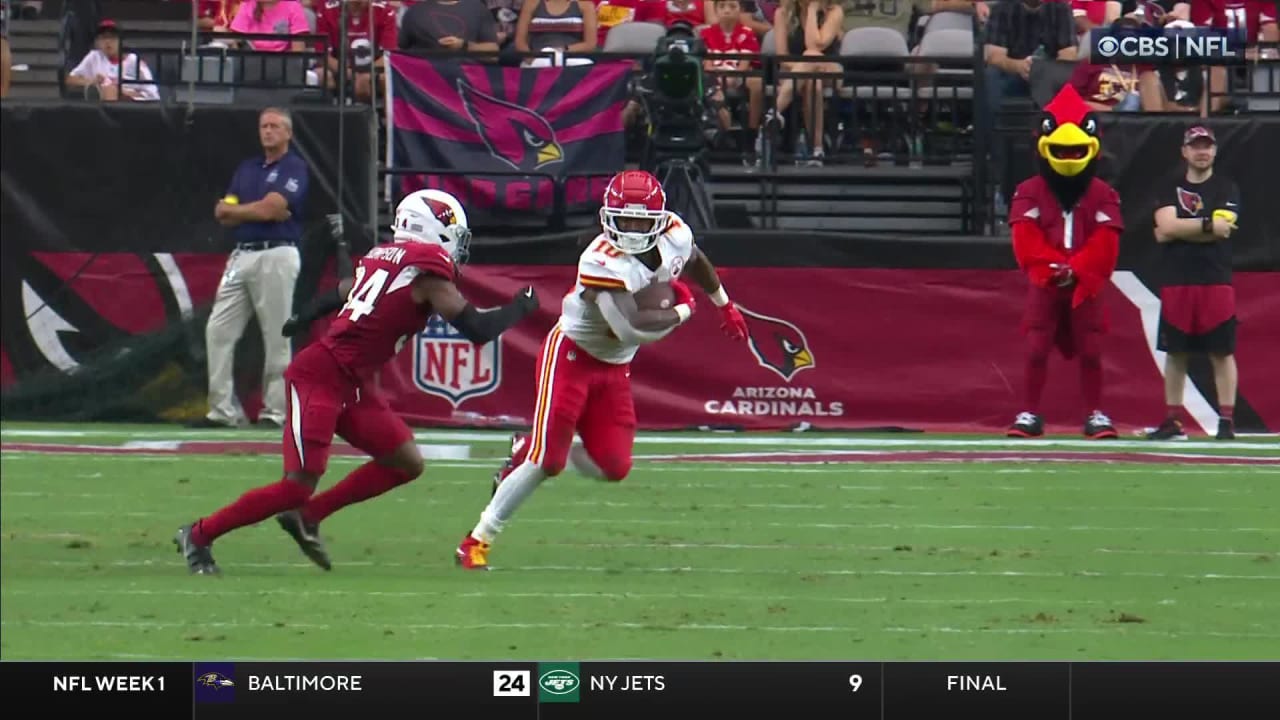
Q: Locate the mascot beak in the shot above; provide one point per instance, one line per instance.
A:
(548, 153)
(1068, 149)
(802, 359)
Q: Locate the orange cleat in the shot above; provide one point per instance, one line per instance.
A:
(473, 554)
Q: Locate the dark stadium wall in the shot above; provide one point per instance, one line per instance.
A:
(105, 291)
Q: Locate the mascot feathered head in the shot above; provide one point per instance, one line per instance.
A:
(1068, 144)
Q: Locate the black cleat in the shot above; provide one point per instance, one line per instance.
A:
(1026, 425)
(1098, 426)
(1170, 429)
(307, 536)
(1226, 429)
(199, 557)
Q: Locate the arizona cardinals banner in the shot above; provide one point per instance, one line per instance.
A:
(838, 348)
(542, 130)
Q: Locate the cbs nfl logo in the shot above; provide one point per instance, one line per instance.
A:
(1153, 46)
(448, 365)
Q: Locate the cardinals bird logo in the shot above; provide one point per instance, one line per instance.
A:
(515, 135)
(777, 344)
(1191, 202)
(217, 681)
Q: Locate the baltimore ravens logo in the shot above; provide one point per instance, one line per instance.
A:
(1190, 202)
(777, 344)
(515, 135)
(215, 680)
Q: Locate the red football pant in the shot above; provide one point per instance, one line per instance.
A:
(1051, 321)
(320, 401)
(578, 393)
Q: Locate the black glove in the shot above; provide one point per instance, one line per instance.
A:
(291, 326)
(526, 299)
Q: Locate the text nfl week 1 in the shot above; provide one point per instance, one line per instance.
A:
(257, 683)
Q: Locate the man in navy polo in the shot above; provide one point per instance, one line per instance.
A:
(263, 207)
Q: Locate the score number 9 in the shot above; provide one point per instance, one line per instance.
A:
(855, 682)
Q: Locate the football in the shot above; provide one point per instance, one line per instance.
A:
(655, 296)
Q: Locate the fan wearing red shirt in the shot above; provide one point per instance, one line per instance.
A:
(216, 14)
(690, 13)
(728, 37)
(367, 40)
(1256, 17)
(1090, 14)
(615, 12)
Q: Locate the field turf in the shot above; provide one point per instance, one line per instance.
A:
(704, 552)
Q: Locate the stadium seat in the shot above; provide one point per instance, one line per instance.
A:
(634, 37)
(1265, 80)
(943, 21)
(875, 43)
(956, 44)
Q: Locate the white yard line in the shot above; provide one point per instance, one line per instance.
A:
(726, 571)
(595, 626)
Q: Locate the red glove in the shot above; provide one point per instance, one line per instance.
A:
(731, 322)
(683, 295)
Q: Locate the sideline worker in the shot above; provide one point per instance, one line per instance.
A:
(263, 207)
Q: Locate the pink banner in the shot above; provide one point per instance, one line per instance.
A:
(833, 348)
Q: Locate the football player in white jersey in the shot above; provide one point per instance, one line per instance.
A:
(584, 384)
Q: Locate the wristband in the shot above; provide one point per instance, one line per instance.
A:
(683, 312)
(1206, 224)
(719, 297)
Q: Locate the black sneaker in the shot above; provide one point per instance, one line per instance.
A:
(1098, 426)
(1226, 429)
(1170, 429)
(306, 535)
(199, 557)
(1026, 425)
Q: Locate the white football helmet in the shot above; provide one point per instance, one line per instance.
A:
(434, 217)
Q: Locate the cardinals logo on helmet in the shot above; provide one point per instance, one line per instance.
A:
(777, 344)
(515, 135)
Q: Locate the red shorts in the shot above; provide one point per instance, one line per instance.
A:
(1197, 318)
(321, 401)
(578, 393)
(1074, 331)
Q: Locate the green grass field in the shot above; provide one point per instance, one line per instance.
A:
(728, 559)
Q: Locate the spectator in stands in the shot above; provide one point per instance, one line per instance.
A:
(461, 25)
(562, 26)
(103, 69)
(1257, 18)
(615, 12)
(1169, 89)
(689, 14)
(505, 15)
(217, 15)
(730, 37)
(1018, 33)
(1110, 87)
(366, 41)
(272, 17)
(810, 28)
(755, 15)
(1090, 14)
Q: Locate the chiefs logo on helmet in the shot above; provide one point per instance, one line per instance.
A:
(777, 344)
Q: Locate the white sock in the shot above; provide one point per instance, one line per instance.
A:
(582, 462)
(514, 490)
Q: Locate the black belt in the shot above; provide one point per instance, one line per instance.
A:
(263, 244)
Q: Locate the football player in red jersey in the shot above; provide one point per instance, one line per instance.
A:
(371, 28)
(397, 287)
(584, 376)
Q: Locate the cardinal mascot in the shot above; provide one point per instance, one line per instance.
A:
(1066, 229)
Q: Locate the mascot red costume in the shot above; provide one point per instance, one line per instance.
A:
(1066, 229)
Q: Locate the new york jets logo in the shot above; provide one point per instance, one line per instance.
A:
(558, 682)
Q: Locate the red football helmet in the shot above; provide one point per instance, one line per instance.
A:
(634, 212)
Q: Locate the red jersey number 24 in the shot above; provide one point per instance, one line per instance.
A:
(363, 293)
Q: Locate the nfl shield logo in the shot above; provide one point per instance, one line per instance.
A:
(448, 365)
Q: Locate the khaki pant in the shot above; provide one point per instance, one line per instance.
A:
(261, 282)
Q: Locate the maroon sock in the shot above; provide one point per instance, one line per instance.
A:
(1227, 412)
(367, 481)
(1036, 374)
(1091, 382)
(250, 508)
(1173, 411)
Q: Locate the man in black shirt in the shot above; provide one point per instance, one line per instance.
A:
(460, 25)
(1197, 214)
